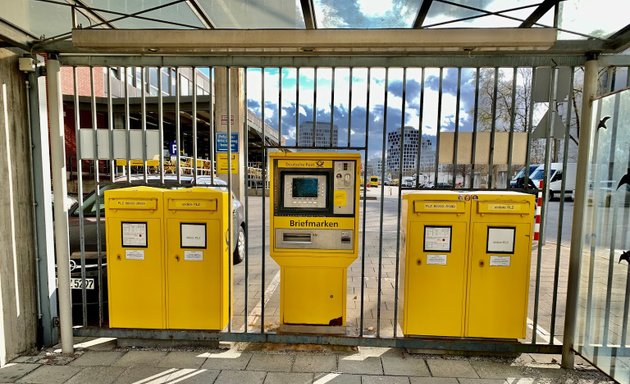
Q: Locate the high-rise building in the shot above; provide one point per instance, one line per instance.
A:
(410, 151)
(324, 136)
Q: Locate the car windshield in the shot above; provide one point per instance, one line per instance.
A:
(538, 175)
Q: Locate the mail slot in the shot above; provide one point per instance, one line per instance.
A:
(197, 258)
(501, 245)
(135, 267)
(435, 243)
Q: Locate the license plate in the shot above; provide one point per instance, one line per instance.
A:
(76, 283)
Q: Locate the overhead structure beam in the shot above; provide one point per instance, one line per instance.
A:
(88, 12)
(539, 12)
(313, 41)
(308, 12)
(620, 41)
(14, 35)
(422, 14)
(200, 13)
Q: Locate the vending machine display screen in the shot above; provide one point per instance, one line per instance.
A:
(305, 187)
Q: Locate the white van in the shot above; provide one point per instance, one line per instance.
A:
(555, 179)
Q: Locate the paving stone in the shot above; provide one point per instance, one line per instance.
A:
(139, 358)
(270, 362)
(360, 364)
(404, 366)
(336, 378)
(451, 368)
(288, 378)
(12, 372)
(240, 377)
(154, 375)
(494, 370)
(50, 374)
(182, 360)
(229, 360)
(384, 380)
(96, 375)
(97, 358)
(315, 363)
(434, 380)
(490, 381)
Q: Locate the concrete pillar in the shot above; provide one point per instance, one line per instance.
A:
(18, 294)
(238, 119)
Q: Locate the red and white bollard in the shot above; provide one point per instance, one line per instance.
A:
(539, 202)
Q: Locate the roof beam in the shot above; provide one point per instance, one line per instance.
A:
(89, 12)
(620, 41)
(200, 13)
(15, 36)
(538, 13)
(308, 12)
(422, 13)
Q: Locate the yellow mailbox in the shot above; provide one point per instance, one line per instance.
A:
(197, 258)
(500, 253)
(435, 242)
(314, 234)
(135, 267)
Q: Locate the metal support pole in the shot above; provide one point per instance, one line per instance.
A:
(60, 190)
(579, 206)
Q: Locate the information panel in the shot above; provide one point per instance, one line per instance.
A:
(437, 238)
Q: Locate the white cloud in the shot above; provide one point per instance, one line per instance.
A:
(375, 8)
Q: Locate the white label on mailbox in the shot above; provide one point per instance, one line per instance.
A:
(500, 261)
(436, 259)
(134, 254)
(134, 235)
(501, 240)
(193, 255)
(193, 235)
(437, 239)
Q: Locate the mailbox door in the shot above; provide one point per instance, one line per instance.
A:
(435, 279)
(136, 273)
(499, 280)
(196, 281)
(312, 295)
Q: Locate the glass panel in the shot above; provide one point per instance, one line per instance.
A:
(178, 13)
(39, 18)
(592, 17)
(365, 13)
(466, 16)
(603, 311)
(244, 14)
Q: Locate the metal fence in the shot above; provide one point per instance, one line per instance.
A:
(416, 127)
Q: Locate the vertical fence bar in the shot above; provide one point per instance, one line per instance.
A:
(97, 194)
(313, 144)
(212, 132)
(552, 101)
(161, 122)
(437, 132)
(279, 104)
(127, 127)
(77, 132)
(365, 155)
(456, 138)
(493, 129)
(228, 96)
(264, 229)
(297, 106)
(194, 124)
(380, 238)
(246, 207)
(110, 127)
(420, 121)
(473, 150)
(399, 208)
(144, 123)
(332, 108)
(178, 126)
(529, 128)
(512, 120)
(565, 156)
(350, 106)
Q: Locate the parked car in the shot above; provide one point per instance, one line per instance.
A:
(518, 181)
(556, 175)
(94, 237)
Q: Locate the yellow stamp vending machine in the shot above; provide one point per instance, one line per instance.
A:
(435, 241)
(314, 234)
(197, 258)
(501, 245)
(135, 267)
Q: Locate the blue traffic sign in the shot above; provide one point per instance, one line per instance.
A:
(222, 142)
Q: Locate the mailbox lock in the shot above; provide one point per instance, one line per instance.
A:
(118, 257)
(481, 263)
(177, 257)
(419, 261)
